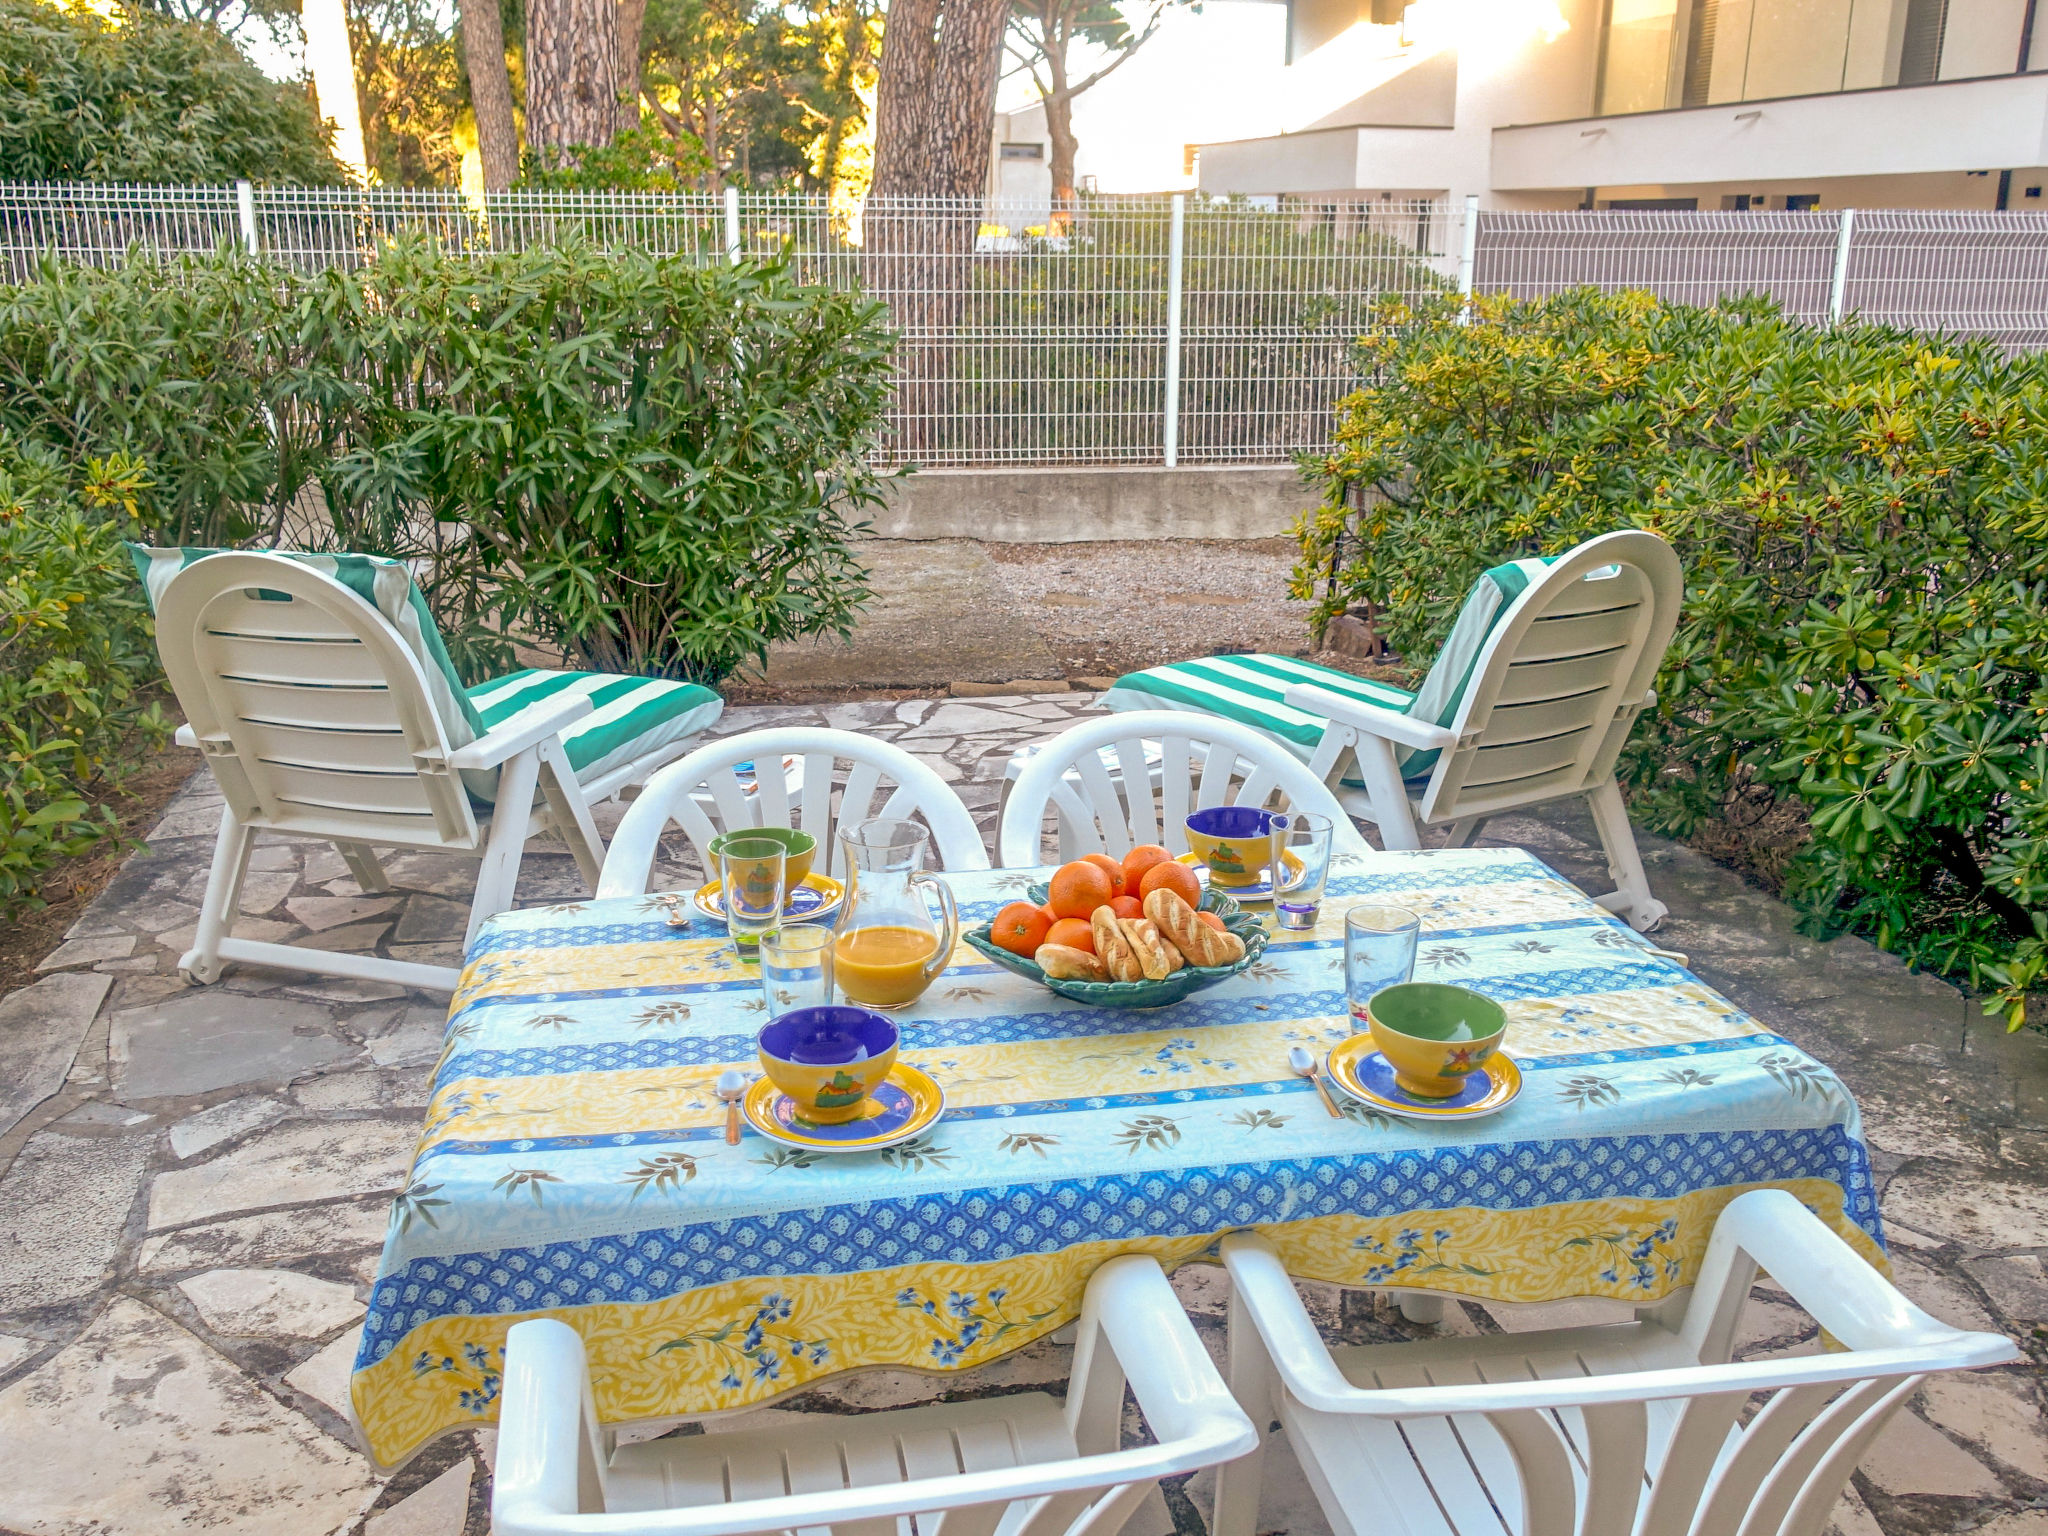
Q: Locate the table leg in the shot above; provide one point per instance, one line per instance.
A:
(1428, 1310)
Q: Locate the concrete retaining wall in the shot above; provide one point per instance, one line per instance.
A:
(1064, 506)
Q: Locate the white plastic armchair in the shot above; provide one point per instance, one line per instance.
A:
(1552, 697)
(1600, 1431)
(705, 795)
(316, 720)
(1022, 1464)
(1121, 780)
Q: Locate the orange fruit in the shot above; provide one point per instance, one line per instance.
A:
(1110, 867)
(1078, 889)
(1140, 859)
(1073, 932)
(1020, 928)
(1212, 920)
(1050, 915)
(1126, 906)
(1171, 876)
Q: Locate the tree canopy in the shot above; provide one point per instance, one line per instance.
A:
(143, 97)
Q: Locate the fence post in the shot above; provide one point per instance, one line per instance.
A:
(732, 225)
(1467, 261)
(245, 204)
(1838, 289)
(1173, 278)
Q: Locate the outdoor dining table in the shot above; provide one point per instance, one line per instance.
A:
(573, 1162)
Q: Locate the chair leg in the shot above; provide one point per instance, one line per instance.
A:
(1389, 796)
(498, 879)
(1630, 898)
(1464, 830)
(1253, 1382)
(201, 963)
(571, 811)
(362, 864)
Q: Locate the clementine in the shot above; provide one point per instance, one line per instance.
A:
(1137, 861)
(1073, 932)
(1110, 867)
(1212, 920)
(1078, 889)
(1126, 906)
(1172, 876)
(1020, 928)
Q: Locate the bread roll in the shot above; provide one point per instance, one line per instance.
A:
(1201, 944)
(1065, 963)
(1146, 944)
(1113, 949)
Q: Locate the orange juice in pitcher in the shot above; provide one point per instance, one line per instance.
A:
(888, 949)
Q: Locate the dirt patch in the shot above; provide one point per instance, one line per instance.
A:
(70, 886)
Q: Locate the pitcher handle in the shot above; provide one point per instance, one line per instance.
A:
(943, 955)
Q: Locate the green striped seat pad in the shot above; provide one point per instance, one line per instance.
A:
(1250, 689)
(629, 716)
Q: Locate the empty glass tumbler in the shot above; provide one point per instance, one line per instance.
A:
(796, 968)
(1379, 951)
(750, 885)
(1301, 865)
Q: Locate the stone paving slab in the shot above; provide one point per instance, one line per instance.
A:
(195, 1184)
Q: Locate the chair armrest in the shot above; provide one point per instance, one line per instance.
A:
(1389, 724)
(1184, 1399)
(531, 725)
(1312, 1378)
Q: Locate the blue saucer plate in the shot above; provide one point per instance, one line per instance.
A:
(906, 1105)
(1367, 1076)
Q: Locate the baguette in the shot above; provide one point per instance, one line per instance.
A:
(1065, 963)
(1201, 944)
(1158, 959)
(1113, 949)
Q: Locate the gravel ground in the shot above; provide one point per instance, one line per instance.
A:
(1113, 607)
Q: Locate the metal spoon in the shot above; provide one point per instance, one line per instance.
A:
(1299, 1058)
(732, 1087)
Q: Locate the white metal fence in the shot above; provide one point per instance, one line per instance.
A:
(1146, 330)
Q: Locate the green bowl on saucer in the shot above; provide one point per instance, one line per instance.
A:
(1434, 1035)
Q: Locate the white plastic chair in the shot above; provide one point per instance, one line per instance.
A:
(1552, 697)
(1021, 1465)
(1598, 1431)
(690, 791)
(1122, 780)
(317, 721)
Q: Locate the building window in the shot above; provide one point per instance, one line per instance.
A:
(1795, 201)
(1920, 52)
(1023, 152)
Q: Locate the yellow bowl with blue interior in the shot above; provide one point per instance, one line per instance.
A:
(798, 850)
(1434, 1035)
(1235, 841)
(828, 1059)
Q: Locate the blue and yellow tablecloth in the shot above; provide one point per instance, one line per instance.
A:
(573, 1161)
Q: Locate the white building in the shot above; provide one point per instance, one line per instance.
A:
(1652, 103)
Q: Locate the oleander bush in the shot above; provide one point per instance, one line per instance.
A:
(76, 659)
(1862, 514)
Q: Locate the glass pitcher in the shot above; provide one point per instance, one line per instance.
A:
(888, 949)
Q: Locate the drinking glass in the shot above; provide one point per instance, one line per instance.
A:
(1379, 951)
(750, 875)
(796, 968)
(1301, 864)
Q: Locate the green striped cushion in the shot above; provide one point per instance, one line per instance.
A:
(1250, 689)
(629, 717)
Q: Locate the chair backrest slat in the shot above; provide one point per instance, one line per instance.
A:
(313, 713)
(1550, 1494)
(1813, 1503)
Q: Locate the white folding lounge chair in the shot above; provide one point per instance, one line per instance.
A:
(711, 791)
(1641, 1426)
(1529, 702)
(320, 691)
(1019, 1465)
(1115, 782)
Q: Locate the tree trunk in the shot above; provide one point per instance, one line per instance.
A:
(1059, 125)
(902, 98)
(572, 75)
(963, 96)
(632, 17)
(490, 92)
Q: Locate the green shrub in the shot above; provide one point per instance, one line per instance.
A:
(75, 659)
(1861, 514)
(142, 97)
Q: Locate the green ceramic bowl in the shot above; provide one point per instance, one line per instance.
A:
(1134, 994)
(798, 850)
(1434, 1035)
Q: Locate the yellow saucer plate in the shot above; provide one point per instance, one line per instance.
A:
(907, 1104)
(818, 896)
(1357, 1067)
(1259, 888)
